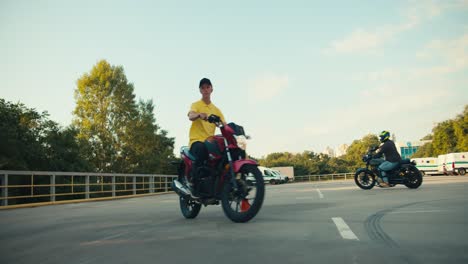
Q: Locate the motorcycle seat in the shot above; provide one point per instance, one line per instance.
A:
(405, 161)
(186, 152)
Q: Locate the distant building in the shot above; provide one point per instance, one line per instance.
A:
(329, 151)
(341, 150)
(407, 149)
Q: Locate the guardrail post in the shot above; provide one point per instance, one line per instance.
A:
(134, 185)
(87, 187)
(345, 177)
(319, 177)
(165, 183)
(151, 184)
(52, 188)
(113, 186)
(4, 181)
(333, 177)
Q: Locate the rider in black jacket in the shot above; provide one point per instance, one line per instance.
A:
(392, 157)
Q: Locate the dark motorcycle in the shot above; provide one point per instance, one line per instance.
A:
(223, 176)
(405, 173)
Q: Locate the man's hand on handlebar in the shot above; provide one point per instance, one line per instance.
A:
(203, 116)
(214, 119)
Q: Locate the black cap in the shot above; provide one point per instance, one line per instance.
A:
(204, 81)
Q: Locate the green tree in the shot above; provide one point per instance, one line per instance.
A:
(63, 151)
(460, 128)
(447, 136)
(444, 138)
(151, 150)
(30, 141)
(357, 149)
(104, 113)
(21, 133)
(306, 163)
(117, 134)
(426, 150)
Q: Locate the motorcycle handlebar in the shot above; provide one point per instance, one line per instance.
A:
(214, 119)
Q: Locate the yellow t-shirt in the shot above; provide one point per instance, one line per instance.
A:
(201, 129)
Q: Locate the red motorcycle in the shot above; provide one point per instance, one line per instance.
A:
(223, 177)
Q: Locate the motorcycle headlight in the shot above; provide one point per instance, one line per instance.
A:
(241, 142)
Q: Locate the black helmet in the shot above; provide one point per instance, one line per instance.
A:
(384, 136)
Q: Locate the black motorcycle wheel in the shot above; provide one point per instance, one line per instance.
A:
(189, 207)
(414, 178)
(364, 179)
(233, 201)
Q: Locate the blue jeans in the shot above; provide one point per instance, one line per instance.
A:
(387, 166)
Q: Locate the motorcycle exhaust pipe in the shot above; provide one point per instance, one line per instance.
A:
(180, 189)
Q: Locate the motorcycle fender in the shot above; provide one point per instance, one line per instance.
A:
(364, 170)
(239, 163)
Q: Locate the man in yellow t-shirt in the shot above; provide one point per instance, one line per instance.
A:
(201, 129)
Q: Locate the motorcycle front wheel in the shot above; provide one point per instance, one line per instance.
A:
(243, 204)
(364, 179)
(189, 208)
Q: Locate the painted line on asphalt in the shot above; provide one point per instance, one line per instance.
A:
(344, 229)
(320, 193)
(305, 198)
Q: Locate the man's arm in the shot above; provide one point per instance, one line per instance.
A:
(192, 115)
(381, 150)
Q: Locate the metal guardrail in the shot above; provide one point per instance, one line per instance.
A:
(324, 177)
(49, 187)
(29, 187)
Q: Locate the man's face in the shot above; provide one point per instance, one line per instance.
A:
(206, 90)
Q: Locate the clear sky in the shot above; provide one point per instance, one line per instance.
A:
(298, 75)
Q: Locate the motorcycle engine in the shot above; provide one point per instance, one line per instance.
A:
(206, 181)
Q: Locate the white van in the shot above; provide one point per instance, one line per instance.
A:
(453, 163)
(457, 162)
(270, 176)
(427, 165)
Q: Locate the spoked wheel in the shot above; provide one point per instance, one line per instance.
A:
(243, 204)
(189, 207)
(364, 179)
(414, 178)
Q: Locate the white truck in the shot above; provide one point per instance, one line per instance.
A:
(427, 165)
(453, 163)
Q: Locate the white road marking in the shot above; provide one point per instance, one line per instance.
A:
(344, 229)
(320, 193)
(305, 198)
(112, 237)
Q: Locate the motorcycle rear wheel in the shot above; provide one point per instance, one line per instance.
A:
(233, 202)
(365, 180)
(414, 178)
